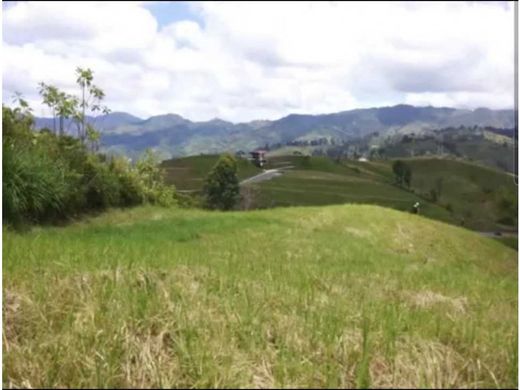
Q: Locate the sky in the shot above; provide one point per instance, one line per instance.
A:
(263, 60)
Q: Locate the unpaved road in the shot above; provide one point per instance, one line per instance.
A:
(268, 174)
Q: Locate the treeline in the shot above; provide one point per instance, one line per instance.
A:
(49, 176)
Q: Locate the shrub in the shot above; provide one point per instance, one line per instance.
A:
(49, 177)
(222, 189)
(34, 187)
(151, 179)
(402, 173)
(102, 188)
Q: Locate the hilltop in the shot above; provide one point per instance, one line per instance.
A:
(336, 296)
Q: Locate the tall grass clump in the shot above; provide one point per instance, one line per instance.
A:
(33, 185)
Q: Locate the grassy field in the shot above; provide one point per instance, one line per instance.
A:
(470, 189)
(189, 173)
(468, 196)
(334, 296)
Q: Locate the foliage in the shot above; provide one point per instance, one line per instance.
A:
(402, 173)
(48, 177)
(90, 101)
(150, 178)
(221, 189)
(507, 204)
(34, 186)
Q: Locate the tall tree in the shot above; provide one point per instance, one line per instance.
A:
(222, 189)
(91, 97)
(402, 173)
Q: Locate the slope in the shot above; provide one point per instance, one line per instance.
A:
(337, 296)
(470, 194)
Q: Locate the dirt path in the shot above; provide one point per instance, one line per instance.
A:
(268, 174)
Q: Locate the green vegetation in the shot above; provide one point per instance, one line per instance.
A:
(49, 177)
(511, 242)
(469, 143)
(480, 198)
(333, 296)
(466, 194)
(336, 296)
(188, 174)
(449, 190)
(221, 189)
(402, 172)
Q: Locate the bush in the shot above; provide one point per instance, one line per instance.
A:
(151, 179)
(402, 173)
(34, 187)
(221, 190)
(49, 177)
(102, 187)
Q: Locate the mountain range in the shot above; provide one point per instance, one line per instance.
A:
(174, 136)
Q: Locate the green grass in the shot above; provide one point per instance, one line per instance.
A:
(470, 189)
(189, 173)
(336, 296)
(468, 194)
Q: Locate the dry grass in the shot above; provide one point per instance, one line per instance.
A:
(281, 298)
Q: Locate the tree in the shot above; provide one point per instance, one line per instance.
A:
(93, 137)
(402, 172)
(22, 111)
(221, 189)
(91, 97)
(67, 106)
(51, 96)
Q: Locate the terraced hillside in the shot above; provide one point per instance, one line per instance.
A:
(468, 194)
(335, 296)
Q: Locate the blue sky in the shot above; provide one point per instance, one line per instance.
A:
(241, 61)
(167, 12)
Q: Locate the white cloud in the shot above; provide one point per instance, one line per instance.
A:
(265, 60)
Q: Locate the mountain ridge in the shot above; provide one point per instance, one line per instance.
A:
(173, 135)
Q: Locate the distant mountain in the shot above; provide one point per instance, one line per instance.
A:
(103, 123)
(176, 136)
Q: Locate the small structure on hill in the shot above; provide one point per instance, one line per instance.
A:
(258, 157)
(363, 159)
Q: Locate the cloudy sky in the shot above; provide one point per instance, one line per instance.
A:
(244, 61)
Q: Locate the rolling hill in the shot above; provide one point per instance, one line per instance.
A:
(469, 194)
(322, 297)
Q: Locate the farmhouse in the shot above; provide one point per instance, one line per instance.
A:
(258, 157)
